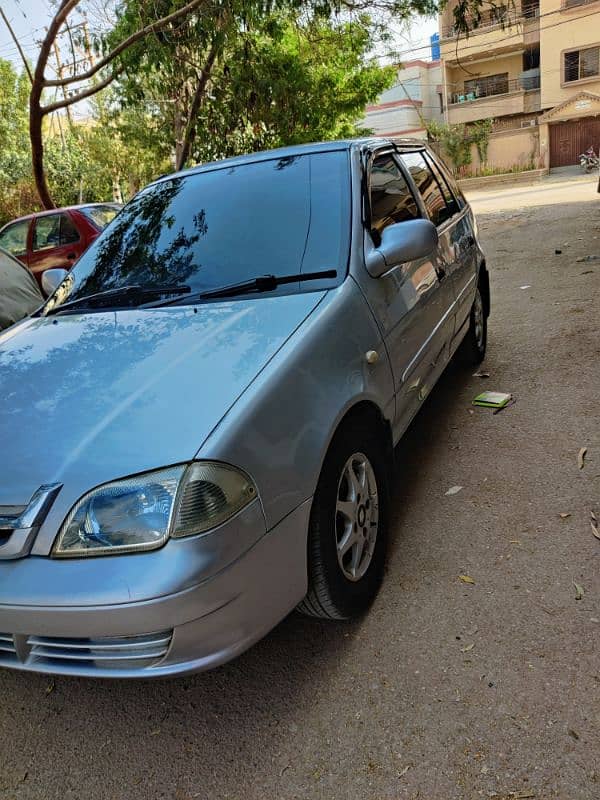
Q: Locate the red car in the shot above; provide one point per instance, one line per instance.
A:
(56, 238)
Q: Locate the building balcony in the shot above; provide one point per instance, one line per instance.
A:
(506, 97)
(497, 32)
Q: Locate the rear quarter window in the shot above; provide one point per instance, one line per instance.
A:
(100, 215)
(434, 198)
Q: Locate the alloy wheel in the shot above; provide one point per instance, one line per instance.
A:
(356, 516)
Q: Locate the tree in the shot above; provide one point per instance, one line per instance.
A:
(166, 26)
(287, 78)
(15, 161)
(98, 76)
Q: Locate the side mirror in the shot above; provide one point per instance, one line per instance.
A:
(52, 279)
(401, 242)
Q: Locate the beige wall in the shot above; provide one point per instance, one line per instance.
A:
(487, 108)
(577, 28)
(511, 148)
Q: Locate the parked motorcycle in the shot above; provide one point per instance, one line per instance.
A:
(589, 161)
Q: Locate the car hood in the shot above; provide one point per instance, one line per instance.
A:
(88, 398)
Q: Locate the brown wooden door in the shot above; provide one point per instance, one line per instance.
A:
(569, 139)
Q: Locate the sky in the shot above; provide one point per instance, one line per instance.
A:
(28, 18)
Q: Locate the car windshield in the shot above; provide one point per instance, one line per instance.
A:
(100, 215)
(206, 230)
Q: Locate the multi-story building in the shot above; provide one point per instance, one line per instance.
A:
(414, 99)
(534, 68)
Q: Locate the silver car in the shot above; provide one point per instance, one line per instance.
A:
(197, 428)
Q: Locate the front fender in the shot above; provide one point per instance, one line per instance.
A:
(280, 428)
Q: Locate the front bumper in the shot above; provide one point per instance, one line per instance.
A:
(197, 628)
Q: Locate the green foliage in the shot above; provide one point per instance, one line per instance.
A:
(15, 163)
(287, 83)
(479, 134)
(453, 140)
(279, 75)
(456, 140)
(108, 154)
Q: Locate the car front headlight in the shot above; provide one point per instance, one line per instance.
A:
(142, 512)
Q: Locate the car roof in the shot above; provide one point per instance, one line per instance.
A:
(362, 143)
(62, 208)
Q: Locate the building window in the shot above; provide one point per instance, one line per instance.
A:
(581, 64)
(484, 87)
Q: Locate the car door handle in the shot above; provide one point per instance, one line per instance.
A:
(71, 255)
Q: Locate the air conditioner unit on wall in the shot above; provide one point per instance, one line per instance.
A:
(528, 123)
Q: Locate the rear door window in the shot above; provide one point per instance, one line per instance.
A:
(54, 230)
(68, 231)
(438, 209)
(390, 196)
(14, 238)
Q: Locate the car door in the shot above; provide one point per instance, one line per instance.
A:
(457, 241)
(407, 301)
(54, 243)
(14, 239)
(466, 254)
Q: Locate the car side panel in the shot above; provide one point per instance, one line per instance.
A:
(280, 429)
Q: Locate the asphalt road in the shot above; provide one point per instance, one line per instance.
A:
(445, 690)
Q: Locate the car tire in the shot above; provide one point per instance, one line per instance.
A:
(348, 526)
(473, 346)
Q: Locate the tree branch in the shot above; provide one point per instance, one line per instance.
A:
(75, 98)
(18, 44)
(190, 130)
(126, 43)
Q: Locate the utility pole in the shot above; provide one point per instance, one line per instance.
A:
(59, 72)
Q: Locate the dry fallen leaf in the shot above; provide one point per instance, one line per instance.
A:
(481, 374)
(522, 795)
(467, 648)
(466, 579)
(573, 734)
(581, 457)
(578, 591)
(593, 516)
(595, 530)
(404, 771)
(565, 514)
(453, 490)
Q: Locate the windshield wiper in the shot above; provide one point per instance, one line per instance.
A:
(108, 297)
(262, 283)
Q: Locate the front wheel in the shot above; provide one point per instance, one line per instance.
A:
(473, 347)
(348, 526)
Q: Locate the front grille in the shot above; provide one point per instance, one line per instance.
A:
(8, 652)
(85, 655)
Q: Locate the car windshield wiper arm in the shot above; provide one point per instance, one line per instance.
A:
(129, 292)
(263, 283)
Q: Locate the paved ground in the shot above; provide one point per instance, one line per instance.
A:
(445, 690)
